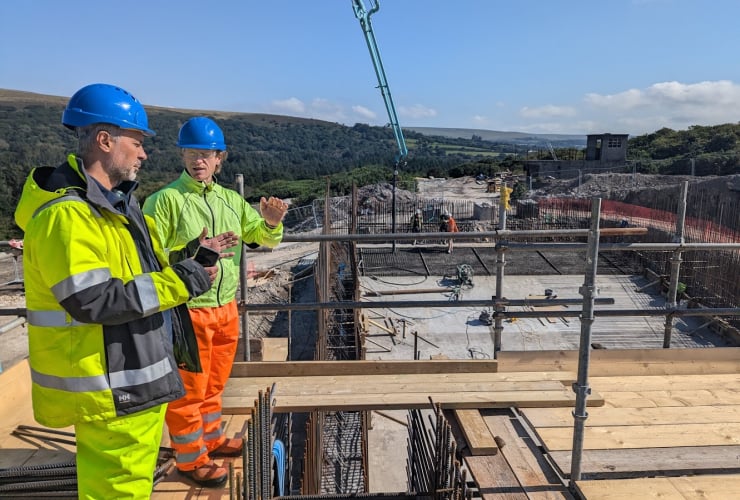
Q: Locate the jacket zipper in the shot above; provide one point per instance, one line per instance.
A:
(213, 231)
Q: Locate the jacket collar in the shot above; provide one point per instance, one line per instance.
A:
(197, 186)
(96, 193)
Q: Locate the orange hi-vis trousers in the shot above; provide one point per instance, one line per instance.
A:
(194, 421)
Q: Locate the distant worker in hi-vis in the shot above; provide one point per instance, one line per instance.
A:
(447, 225)
(103, 304)
(182, 210)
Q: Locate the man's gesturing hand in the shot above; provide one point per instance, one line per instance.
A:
(273, 210)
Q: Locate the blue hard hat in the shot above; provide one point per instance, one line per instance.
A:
(201, 133)
(103, 103)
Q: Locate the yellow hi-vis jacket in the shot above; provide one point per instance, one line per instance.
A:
(98, 300)
(185, 206)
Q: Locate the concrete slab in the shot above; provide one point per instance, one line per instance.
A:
(458, 333)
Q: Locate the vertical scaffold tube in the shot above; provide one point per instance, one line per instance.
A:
(581, 388)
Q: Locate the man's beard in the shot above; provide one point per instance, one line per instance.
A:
(119, 174)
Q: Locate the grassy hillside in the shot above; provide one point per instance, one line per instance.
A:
(557, 140)
(293, 157)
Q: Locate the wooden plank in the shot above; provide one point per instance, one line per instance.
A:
(274, 348)
(369, 392)
(16, 387)
(525, 459)
(622, 231)
(566, 378)
(354, 381)
(494, 478)
(544, 308)
(302, 387)
(477, 436)
(382, 327)
(611, 362)
(311, 368)
(16, 451)
(647, 436)
(361, 402)
(646, 399)
(725, 381)
(606, 416)
(686, 460)
(628, 489)
(714, 486)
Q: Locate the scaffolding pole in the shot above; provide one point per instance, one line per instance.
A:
(243, 275)
(675, 266)
(498, 317)
(581, 388)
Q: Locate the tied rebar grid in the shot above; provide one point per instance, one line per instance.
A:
(432, 467)
(341, 464)
(342, 470)
(257, 483)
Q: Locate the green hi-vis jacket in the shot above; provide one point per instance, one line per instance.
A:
(184, 207)
(98, 300)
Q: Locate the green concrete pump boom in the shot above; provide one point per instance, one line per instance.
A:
(364, 17)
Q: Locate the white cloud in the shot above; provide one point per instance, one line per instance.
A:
(290, 105)
(365, 113)
(417, 111)
(324, 109)
(632, 111)
(675, 105)
(629, 99)
(319, 109)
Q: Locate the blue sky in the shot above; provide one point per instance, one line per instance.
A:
(557, 66)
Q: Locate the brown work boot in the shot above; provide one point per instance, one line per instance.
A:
(232, 447)
(209, 475)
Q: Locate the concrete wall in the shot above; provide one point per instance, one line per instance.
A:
(606, 147)
(484, 211)
(569, 169)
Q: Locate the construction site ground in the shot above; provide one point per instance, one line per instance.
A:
(458, 333)
(536, 439)
(664, 422)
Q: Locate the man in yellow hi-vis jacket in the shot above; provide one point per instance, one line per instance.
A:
(102, 302)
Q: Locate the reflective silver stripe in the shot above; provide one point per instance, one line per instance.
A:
(66, 197)
(51, 318)
(212, 417)
(79, 282)
(187, 438)
(147, 293)
(129, 378)
(184, 458)
(212, 436)
(70, 384)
